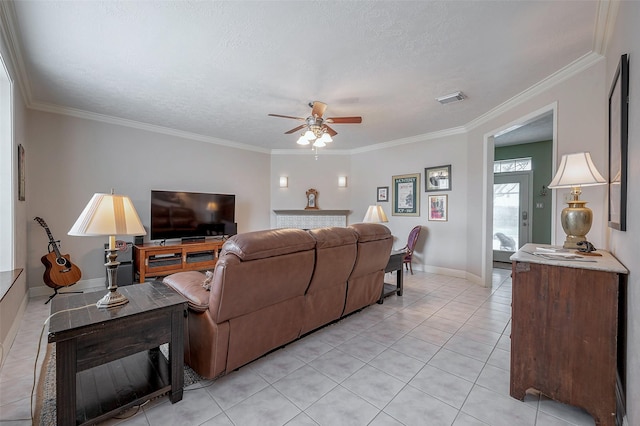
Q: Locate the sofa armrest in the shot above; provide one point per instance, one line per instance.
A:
(189, 285)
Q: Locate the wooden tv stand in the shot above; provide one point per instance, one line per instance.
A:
(152, 260)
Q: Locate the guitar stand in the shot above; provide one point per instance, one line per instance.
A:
(55, 293)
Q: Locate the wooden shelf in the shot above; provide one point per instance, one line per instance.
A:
(153, 260)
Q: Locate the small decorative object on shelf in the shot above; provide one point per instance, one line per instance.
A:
(587, 249)
(312, 200)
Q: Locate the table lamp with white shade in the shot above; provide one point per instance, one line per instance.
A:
(575, 171)
(375, 214)
(109, 214)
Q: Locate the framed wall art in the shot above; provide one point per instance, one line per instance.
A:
(438, 208)
(618, 145)
(406, 195)
(437, 178)
(383, 194)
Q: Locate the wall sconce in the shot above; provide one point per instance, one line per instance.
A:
(284, 182)
(342, 181)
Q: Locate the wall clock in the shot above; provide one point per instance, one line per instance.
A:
(312, 200)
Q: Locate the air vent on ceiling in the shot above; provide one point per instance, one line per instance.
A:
(453, 97)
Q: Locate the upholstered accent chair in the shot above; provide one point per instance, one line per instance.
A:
(410, 247)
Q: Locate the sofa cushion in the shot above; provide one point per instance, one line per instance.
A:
(370, 232)
(333, 237)
(269, 243)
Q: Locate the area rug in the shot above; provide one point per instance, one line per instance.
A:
(45, 407)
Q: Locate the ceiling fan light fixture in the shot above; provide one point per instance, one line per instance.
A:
(452, 97)
(309, 135)
(326, 138)
(319, 143)
(302, 140)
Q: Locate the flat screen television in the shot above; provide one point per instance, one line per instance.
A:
(191, 215)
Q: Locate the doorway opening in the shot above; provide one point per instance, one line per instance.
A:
(520, 206)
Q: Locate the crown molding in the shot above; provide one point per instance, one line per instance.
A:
(605, 24)
(411, 139)
(12, 43)
(574, 68)
(144, 126)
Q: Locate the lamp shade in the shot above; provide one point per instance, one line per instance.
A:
(326, 138)
(375, 214)
(108, 214)
(576, 170)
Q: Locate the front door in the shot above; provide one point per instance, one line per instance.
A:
(511, 214)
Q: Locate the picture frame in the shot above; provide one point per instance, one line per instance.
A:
(438, 208)
(618, 145)
(405, 191)
(437, 178)
(21, 174)
(382, 194)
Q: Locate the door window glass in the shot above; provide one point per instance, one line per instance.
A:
(506, 216)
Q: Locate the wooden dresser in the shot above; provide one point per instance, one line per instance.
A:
(564, 329)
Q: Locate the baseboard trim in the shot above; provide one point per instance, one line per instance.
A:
(92, 284)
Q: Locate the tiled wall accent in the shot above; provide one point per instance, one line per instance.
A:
(309, 221)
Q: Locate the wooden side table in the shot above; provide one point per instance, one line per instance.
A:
(394, 264)
(564, 329)
(108, 360)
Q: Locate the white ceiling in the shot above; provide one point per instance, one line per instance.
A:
(217, 68)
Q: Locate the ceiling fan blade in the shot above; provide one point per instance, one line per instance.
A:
(318, 109)
(344, 120)
(287, 116)
(331, 132)
(296, 129)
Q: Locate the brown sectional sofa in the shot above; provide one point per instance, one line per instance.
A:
(271, 287)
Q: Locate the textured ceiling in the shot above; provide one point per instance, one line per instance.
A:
(217, 68)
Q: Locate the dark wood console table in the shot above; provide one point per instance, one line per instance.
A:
(394, 264)
(564, 329)
(108, 360)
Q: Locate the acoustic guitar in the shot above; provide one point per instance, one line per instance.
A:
(59, 271)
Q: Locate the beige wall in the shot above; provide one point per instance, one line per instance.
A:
(71, 158)
(305, 172)
(624, 245)
(442, 246)
(581, 126)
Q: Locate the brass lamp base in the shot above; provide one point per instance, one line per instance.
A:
(576, 221)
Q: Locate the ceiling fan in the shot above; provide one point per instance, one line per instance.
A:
(317, 129)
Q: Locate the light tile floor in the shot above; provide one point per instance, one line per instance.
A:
(438, 355)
